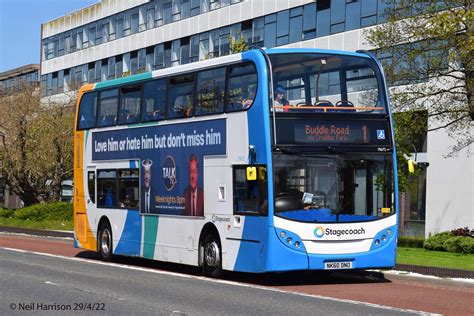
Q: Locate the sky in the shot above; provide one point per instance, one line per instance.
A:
(20, 27)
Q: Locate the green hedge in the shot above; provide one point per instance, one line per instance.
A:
(412, 242)
(40, 212)
(447, 241)
(462, 244)
(436, 242)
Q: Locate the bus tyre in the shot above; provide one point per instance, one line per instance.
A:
(105, 242)
(212, 262)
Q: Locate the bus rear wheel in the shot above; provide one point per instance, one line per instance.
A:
(105, 242)
(212, 261)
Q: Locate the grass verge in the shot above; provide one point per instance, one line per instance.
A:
(429, 258)
(45, 224)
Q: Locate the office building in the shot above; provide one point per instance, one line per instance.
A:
(13, 79)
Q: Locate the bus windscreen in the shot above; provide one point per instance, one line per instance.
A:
(326, 83)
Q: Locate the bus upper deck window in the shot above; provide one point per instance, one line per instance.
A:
(130, 100)
(154, 96)
(210, 94)
(108, 108)
(180, 96)
(242, 87)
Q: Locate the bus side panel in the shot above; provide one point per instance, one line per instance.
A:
(129, 242)
(83, 234)
(251, 248)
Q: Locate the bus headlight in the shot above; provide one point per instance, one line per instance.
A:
(290, 239)
(377, 242)
(389, 232)
(384, 238)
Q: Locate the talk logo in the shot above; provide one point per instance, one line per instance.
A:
(169, 173)
(319, 231)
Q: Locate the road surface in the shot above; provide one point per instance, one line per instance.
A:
(71, 278)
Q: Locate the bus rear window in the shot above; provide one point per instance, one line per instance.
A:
(87, 111)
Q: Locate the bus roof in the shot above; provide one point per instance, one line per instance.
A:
(272, 51)
(224, 60)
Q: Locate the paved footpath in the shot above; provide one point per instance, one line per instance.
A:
(432, 295)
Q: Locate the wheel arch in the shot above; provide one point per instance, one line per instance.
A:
(102, 221)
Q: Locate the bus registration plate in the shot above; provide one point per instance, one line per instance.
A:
(338, 265)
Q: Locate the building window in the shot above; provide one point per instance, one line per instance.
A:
(176, 10)
(159, 59)
(150, 17)
(296, 27)
(167, 12)
(203, 46)
(195, 7)
(195, 48)
(134, 21)
(185, 50)
(175, 52)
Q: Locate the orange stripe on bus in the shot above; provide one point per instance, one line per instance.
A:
(81, 223)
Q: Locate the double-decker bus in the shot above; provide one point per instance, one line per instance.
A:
(266, 160)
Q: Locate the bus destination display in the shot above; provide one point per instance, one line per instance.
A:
(304, 131)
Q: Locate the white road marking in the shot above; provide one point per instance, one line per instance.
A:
(260, 287)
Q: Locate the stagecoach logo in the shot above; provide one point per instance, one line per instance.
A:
(319, 232)
(169, 173)
(216, 218)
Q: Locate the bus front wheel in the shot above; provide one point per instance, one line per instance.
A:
(212, 261)
(105, 242)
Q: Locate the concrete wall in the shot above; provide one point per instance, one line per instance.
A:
(450, 190)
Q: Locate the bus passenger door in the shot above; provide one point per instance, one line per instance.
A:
(250, 213)
(81, 226)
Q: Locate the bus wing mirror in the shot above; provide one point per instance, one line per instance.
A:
(251, 173)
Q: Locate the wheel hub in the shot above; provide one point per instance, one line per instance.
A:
(212, 255)
(105, 241)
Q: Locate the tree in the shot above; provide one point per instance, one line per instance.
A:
(37, 147)
(238, 45)
(427, 52)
